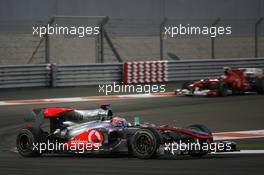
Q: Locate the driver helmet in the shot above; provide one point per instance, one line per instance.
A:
(118, 121)
(226, 70)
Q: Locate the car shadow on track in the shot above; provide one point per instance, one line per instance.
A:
(131, 157)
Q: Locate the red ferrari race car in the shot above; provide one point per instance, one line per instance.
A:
(69, 130)
(234, 81)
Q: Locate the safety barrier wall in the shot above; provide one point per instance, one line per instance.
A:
(197, 69)
(91, 74)
(52, 75)
(34, 75)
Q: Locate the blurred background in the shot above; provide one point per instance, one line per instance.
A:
(131, 30)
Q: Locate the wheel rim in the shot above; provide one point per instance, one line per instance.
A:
(144, 144)
(24, 142)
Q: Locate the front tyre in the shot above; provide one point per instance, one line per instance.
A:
(223, 89)
(27, 138)
(145, 142)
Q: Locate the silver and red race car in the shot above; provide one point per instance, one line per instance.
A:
(70, 130)
(234, 81)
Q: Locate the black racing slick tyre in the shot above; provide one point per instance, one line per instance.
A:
(145, 142)
(223, 90)
(27, 141)
(260, 85)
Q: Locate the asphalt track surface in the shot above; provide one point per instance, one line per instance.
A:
(234, 113)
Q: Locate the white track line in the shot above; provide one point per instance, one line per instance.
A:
(217, 153)
(239, 135)
(84, 99)
(242, 152)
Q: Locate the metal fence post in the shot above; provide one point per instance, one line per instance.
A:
(111, 45)
(47, 48)
(100, 41)
(97, 48)
(101, 44)
(256, 35)
(47, 42)
(161, 37)
(213, 39)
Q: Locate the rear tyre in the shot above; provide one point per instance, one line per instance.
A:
(223, 89)
(260, 85)
(208, 141)
(145, 142)
(26, 139)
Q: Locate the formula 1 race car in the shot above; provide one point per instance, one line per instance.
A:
(234, 81)
(72, 130)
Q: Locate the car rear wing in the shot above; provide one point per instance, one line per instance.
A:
(38, 115)
(253, 72)
(56, 116)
